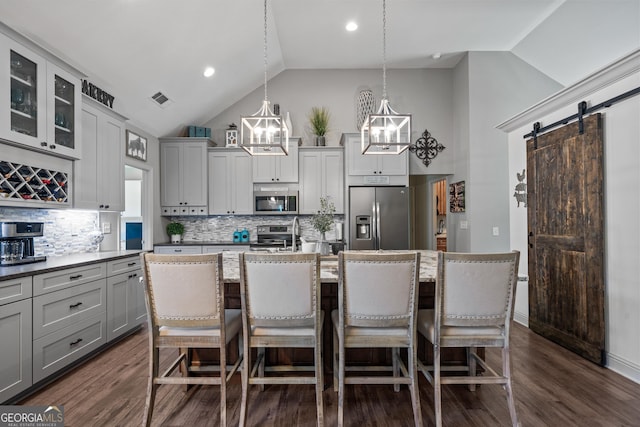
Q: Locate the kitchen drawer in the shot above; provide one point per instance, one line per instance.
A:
(123, 265)
(210, 249)
(16, 289)
(58, 349)
(178, 250)
(59, 309)
(49, 282)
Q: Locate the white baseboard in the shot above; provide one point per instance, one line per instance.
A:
(522, 318)
(624, 367)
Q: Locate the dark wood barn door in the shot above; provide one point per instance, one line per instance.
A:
(566, 237)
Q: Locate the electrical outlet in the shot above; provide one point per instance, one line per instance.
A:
(464, 225)
(106, 227)
(496, 231)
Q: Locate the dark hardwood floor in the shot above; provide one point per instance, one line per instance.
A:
(552, 386)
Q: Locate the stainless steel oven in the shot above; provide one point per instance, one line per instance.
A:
(280, 202)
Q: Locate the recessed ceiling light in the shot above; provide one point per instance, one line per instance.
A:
(208, 72)
(436, 55)
(351, 26)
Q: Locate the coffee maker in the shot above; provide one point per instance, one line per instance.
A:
(16, 242)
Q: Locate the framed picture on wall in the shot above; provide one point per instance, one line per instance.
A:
(136, 146)
(456, 197)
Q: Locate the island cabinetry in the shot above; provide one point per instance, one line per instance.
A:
(374, 169)
(99, 176)
(178, 249)
(15, 336)
(275, 169)
(42, 98)
(230, 184)
(125, 296)
(69, 317)
(183, 176)
(321, 175)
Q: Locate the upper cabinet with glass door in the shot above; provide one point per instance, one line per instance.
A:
(44, 102)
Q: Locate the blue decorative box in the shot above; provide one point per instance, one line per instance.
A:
(198, 132)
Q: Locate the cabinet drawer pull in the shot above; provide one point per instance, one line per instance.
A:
(78, 304)
(131, 264)
(177, 250)
(75, 277)
(132, 275)
(78, 341)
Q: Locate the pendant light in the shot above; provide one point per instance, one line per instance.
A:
(264, 133)
(385, 131)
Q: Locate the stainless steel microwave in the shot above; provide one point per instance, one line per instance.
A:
(275, 202)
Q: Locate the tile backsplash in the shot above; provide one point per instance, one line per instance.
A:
(221, 228)
(65, 231)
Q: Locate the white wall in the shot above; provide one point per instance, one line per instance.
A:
(489, 86)
(622, 199)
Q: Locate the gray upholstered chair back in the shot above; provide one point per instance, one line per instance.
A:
(476, 289)
(184, 290)
(378, 289)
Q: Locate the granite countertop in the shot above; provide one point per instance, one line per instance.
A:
(54, 263)
(329, 267)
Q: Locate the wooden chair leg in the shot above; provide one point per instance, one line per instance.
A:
(223, 385)
(261, 358)
(154, 359)
(437, 396)
(335, 361)
(396, 366)
(506, 371)
(244, 375)
(415, 392)
(471, 363)
(341, 363)
(319, 383)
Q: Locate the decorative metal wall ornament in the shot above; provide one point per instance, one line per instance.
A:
(426, 148)
(365, 105)
(521, 189)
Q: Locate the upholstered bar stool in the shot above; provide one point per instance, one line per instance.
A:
(473, 308)
(280, 297)
(185, 297)
(377, 307)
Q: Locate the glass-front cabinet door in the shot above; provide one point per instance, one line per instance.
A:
(43, 101)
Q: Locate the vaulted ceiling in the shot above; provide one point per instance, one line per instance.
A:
(136, 48)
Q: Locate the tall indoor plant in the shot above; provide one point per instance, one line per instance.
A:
(319, 121)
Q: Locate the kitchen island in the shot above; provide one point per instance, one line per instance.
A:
(329, 279)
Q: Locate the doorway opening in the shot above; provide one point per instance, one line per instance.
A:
(136, 220)
(428, 212)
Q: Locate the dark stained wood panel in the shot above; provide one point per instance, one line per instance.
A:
(566, 237)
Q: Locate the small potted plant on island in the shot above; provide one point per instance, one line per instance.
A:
(322, 222)
(175, 230)
(319, 120)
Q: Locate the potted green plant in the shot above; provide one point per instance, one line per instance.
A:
(322, 222)
(175, 230)
(319, 121)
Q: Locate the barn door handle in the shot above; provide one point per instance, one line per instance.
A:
(529, 239)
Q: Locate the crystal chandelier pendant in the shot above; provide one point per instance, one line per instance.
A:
(264, 133)
(386, 131)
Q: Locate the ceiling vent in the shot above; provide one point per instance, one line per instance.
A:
(161, 100)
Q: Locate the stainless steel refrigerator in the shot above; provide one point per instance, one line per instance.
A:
(379, 218)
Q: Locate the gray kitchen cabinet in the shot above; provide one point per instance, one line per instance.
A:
(276, 169)
(230, 184)
(61, 279)
(212, 249)
(321, 175)
(125, 296)
(183, 176)
(16, 339)
(374, 164)
(99, 175)
(178, 249)
(43, 98)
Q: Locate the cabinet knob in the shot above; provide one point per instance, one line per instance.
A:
(52, 146)
(43, 144)
(106, 206)
(101, 206)
(380, 172)
(375, 172)
(272, 179)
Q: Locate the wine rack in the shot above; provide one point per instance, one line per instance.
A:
(29, 183)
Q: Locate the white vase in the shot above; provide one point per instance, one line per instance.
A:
(176, 238)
